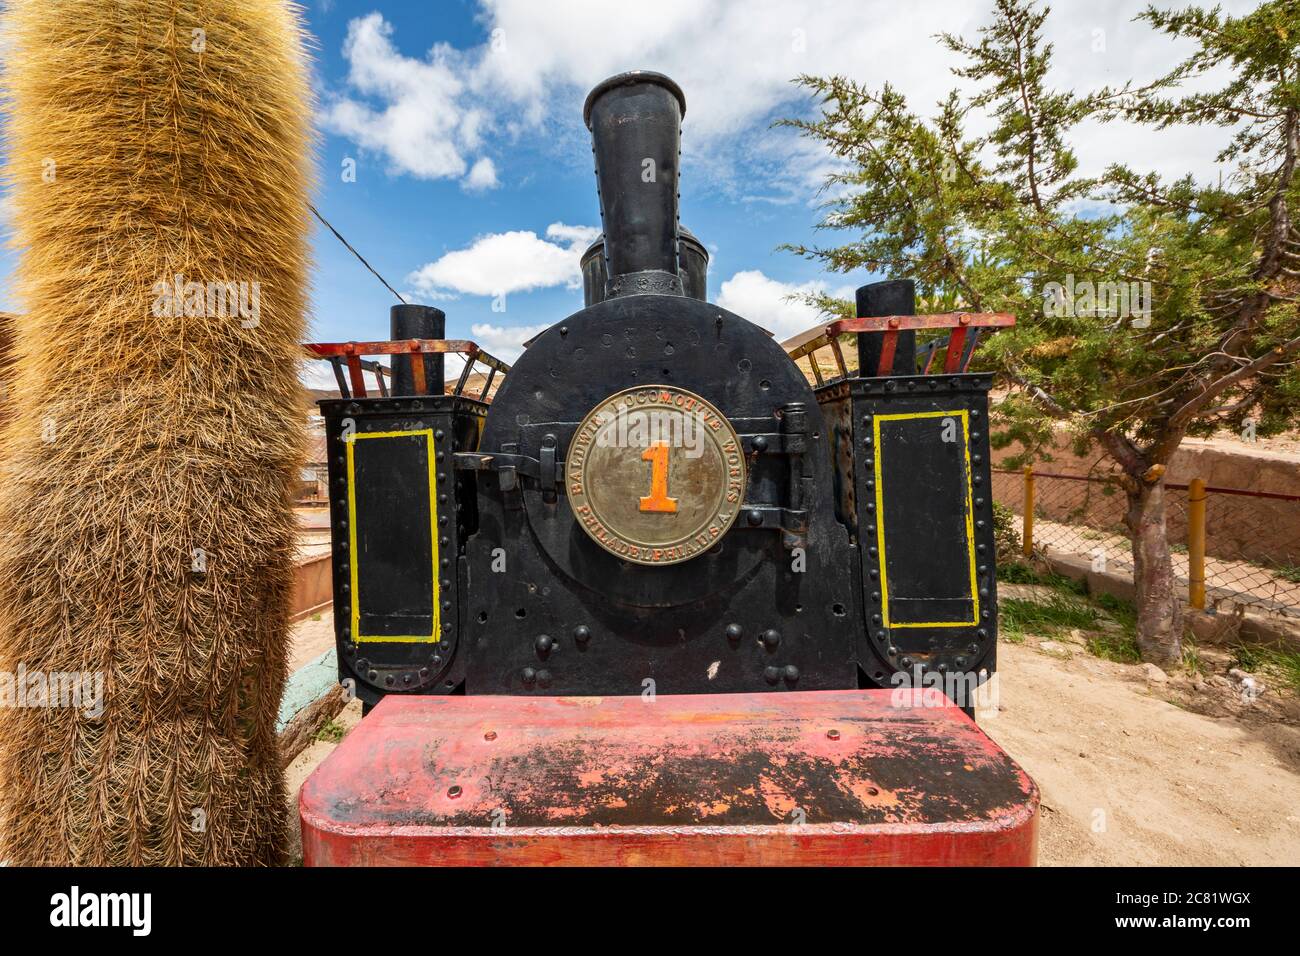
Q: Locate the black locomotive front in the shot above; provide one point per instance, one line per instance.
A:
(656, 500)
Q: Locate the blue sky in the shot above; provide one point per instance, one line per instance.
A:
(473, 169)
(403, 219)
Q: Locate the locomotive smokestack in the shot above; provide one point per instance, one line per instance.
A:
(636, 132)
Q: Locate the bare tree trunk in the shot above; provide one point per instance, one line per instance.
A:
(1159, 608)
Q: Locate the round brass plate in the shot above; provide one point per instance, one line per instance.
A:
(655, 474)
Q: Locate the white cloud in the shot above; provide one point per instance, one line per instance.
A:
(735, 60)
(482, 176)
(505, 342)
(763, 300)
(426, 124)
(504, 262)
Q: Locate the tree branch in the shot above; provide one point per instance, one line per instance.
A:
(1179, 420)
(1122, 449)
(1039, 395)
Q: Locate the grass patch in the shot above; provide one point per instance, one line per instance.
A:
(1064, 611)
(1283, 665)
(1018, 618)
(1019, 573)
(1122, 611)
(331, 733)
(1067, 585)
(1071, 608)
(1288, 572)
(1118, 646)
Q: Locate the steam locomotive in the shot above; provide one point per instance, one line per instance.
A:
(656, 496)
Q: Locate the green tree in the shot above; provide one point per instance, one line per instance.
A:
(1146, 310)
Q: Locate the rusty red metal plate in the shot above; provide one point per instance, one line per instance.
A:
(818, 778)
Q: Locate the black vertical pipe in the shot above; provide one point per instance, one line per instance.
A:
(417, 322)
(890, 297)
(636, 134)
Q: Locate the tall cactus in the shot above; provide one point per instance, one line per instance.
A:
(159, 164)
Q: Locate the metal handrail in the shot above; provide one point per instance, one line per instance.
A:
(352, 352)
(959, 350)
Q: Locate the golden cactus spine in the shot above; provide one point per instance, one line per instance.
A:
(159, 165)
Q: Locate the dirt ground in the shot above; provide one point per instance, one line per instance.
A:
(1131, 771)
(1130, 774)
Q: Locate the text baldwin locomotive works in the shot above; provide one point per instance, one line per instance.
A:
(655, 474)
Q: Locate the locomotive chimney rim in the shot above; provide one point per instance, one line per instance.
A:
(631, 78)
(636, 135)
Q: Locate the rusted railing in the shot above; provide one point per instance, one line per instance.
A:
(351, 353)
(960, 343)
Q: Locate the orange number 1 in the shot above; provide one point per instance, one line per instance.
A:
(658, 500)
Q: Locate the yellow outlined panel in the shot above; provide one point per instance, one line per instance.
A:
(880, 516)
(354, 556)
